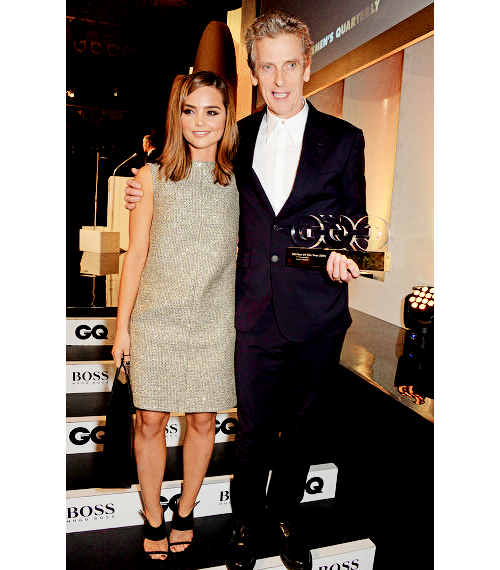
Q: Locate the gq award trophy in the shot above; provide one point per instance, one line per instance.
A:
(316, 236)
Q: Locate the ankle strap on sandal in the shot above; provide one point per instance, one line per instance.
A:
(154, 533)
(182, 523)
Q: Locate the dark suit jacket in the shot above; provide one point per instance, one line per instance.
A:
(153, 156)
(330, 180)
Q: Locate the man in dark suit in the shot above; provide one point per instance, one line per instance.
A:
(291, 322)
(148, 146)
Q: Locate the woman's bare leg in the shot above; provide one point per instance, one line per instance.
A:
(151, 455)
(197, 450)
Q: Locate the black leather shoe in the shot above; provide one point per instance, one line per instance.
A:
(241, 550)
(294, 555)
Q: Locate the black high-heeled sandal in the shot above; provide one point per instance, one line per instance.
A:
(181, 524)
(155, 533)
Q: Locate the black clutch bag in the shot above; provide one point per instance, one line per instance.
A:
(118, 442)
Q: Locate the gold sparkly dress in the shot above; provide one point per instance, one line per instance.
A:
(182, 325)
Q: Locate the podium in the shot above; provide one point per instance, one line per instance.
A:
(118, 215)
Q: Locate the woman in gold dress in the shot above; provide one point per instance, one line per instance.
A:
(176, 303)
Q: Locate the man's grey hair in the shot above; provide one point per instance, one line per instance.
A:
(272, 24)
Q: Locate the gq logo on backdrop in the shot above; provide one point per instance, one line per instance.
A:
(169, 503)
(88, 512)
(314, 485)
(84, 332)
(81, 435)
(229, 426)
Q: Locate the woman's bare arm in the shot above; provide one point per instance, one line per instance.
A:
(133, 264)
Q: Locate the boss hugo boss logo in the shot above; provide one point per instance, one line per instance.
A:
(347, 565)
(84, 332)
(90, 376)
(229, 426)
(90, 512)
(81, 435)
(223, 497)
(314, 485)
(172, 429)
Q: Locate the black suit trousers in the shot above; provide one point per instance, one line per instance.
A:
(279, 385)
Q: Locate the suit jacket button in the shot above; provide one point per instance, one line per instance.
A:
(274, 258)
(276, 227)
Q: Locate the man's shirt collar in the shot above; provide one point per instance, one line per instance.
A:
(294, 125)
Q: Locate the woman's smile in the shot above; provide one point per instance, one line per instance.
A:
(203, 120)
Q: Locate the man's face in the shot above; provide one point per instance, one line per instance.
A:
(145, 144)
(280, 73)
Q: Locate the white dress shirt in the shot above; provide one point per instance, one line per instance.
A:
(277, 154)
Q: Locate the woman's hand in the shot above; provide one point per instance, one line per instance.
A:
(121, 347)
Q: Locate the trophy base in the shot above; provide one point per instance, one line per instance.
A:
(316, 257)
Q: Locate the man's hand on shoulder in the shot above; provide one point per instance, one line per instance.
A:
(133, 191)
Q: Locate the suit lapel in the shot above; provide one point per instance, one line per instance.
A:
(246, 151)
(314, 147)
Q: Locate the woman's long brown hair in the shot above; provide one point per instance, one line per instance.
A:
(175, 160)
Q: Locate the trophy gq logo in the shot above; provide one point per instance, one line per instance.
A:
(360, 239)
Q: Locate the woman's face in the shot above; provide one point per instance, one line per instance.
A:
(203, 117)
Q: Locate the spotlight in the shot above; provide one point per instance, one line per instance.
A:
(113, 50)
(96, 48)
(415, 371)
(80, 46)
(419, 309)
(129, 51)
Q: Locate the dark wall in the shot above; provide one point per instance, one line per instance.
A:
(121, 59)
(337, 27)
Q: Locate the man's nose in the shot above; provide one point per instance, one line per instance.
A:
(279, 78)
